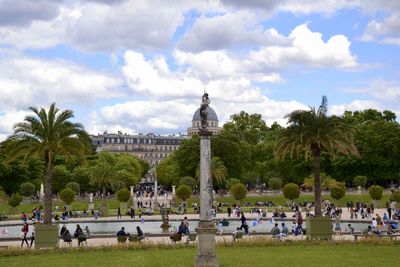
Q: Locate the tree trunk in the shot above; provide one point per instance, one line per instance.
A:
(317, 179)
(48, 188)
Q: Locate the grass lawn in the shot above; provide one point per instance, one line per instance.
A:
(293, 255)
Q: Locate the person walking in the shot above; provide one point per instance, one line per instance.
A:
(24, 232)
(32, 236)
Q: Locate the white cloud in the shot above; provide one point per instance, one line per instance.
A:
(229, 30)
(30, 81)
(308, 48)
(8, 120)
(386, 30)
(353, 106)
(380, 89)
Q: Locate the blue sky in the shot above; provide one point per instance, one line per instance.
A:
(142, 65)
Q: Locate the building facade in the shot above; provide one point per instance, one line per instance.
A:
(150, 147)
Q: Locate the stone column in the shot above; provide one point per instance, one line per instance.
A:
(173, 195)
(155, 204)
(133, 198)
(206, 229)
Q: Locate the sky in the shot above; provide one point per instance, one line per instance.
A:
(141, 66)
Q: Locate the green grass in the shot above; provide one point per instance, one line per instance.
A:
(272, 255)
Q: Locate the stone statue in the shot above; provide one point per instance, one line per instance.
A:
(205, 101)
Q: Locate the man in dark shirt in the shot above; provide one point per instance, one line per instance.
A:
(121, 232)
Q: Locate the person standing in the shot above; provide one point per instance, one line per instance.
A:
(132, 212)
(24, 232)
(229, 211)
(119, 216)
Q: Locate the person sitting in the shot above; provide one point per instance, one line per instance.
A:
(56, 217)
(121, 232)
(78, 231)
(66, 236)
(224, 222)
(284, 231)
(84, 213)
(63, 229)
(122, 235)
(139, 233)
(182, 229)
(275, 231)
(351, 229)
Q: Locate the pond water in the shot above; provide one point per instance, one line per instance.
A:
(153, 227)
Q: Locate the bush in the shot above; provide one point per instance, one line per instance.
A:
(375, 192)
(395, 196)
(123, 195)
(275, 183)
(15, 200)
(360, 181)
(74, 186)
(238, 191)
(291, 191)
(230, 182)
(338, 192)
(189, 181)
(67, 195)
(183, 192)
(27, 189)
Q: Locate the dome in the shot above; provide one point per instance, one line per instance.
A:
(212, 116)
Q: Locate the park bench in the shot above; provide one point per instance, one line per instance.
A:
(175, 237)
(191, 238)
(122, 238)
(135, 237)
(360, 235)
(238, 235)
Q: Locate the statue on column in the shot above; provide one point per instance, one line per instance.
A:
(205, 101)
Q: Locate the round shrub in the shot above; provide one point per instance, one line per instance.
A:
(360, 180)
(15, 200)
(275, 183)
(338, 192)
(67, 195)
(183, 192)
(395, 196)
(291, 191)
(74, 186)
(189, 181)
(238, 191)
(27, 189)
(375, 192)
(230, 182)
(123, 195)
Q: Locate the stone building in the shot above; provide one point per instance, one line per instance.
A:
(150, 147)
(212, 122)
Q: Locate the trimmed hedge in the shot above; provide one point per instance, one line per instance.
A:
(291, 191)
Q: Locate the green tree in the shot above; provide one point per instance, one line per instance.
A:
(230, 182)
(189, 181)
(291, 191)
(67, 195)
(123, 195)
(103, 173)
(338, 192)
(183, 192)
(61, 176)
(375, 192)
(27, 189)
(74, 186)
(327, 182)
(47, 134)
(168, 171)
(15, 200)
(360, 180)
(275, 183)
(395, 196)
(249, 128)
(238, 191)
(312, 132)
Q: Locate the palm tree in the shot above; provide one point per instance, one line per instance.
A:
(47, 134)
(327, 182)
(219, 171)
(312, 132)
(104, 173)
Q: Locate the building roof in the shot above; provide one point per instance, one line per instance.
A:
(212, 116)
